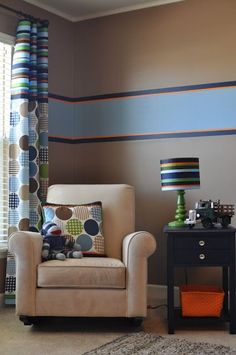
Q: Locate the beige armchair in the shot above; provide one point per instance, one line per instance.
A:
(111, 286)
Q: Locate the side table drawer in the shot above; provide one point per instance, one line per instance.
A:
(203, 241)
(201, 257)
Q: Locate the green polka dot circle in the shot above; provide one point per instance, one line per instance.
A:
(74, 226)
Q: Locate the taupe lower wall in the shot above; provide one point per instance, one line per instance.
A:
(137, 163)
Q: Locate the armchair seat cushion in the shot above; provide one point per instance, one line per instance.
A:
(95, 272)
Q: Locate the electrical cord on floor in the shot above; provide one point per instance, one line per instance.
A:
(149, 306)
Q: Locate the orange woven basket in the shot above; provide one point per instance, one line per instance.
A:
(201, 301)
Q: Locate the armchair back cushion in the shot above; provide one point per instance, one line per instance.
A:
(118, 209)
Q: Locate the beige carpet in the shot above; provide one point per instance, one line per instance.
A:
(78, 336)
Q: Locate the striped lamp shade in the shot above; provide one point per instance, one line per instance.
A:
(180, 174)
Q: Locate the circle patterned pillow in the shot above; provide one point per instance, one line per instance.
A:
(82, 222)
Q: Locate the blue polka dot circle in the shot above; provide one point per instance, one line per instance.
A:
(33, 169)
(13, 183)
(32, 136)
(48, 213)
(24, 159)
(91, 227)
(32, 153)
(43, 138)
(24, 175)
(85, 242)
(13, 200)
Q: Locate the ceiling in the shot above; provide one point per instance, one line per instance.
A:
(79, 10)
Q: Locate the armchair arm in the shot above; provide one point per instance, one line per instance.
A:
(137, 247)
(27, 247)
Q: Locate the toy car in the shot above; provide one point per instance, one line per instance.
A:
(208, 212)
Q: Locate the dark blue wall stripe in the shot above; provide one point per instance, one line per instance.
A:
(145, 92)
(142, 137)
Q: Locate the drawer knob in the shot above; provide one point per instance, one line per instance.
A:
(202, 256)
(201, 243)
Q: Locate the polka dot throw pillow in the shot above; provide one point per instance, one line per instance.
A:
(82, 222)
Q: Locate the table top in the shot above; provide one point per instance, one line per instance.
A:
(200, 229)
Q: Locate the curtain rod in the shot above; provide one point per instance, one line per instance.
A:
(23, 14)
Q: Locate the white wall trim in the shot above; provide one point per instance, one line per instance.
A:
(124, 9)
(102, 13)
(7, 39)
(50, 9)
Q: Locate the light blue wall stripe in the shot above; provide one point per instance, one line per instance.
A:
(173, 112)
(61, 119)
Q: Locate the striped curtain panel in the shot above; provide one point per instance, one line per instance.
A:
(28, 140)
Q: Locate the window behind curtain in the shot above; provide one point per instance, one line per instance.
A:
(6, 43)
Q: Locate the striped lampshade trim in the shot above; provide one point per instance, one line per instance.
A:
(180, 174)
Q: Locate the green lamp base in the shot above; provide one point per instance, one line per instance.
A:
(180, 213)
(177, 224)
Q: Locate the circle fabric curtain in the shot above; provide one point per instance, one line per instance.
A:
(28, 136)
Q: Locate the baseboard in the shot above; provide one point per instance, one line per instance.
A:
(158, 294)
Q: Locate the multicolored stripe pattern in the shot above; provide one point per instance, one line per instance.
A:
(30, 62)
(180, 174)
(28, 135)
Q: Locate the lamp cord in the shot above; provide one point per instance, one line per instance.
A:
(149, 306)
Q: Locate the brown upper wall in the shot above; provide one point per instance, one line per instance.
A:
(183, 43)
(61, 44)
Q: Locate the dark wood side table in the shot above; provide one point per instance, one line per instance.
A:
(202, 247)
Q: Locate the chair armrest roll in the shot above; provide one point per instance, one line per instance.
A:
(27, 247)
(138, 244)
(137, 247)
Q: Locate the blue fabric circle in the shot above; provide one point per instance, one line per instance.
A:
(96, 213)
(85, 242)
(32, 137)
(34, 217)
(48, 214)
(43, 139)
(13, 217)
(33, 169)
(24, 175)
(24, 209)
(13, 183)
(33, 229)
(13, 201)
(91, 227)
(24, 159)
(24, 126)
(13, 136)
(14, 118)
(32, 153)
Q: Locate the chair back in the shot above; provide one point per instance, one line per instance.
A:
(118, 208)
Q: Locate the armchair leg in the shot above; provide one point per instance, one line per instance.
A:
(28, 320)
(136, 321)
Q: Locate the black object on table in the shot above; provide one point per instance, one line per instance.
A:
(202, 247)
